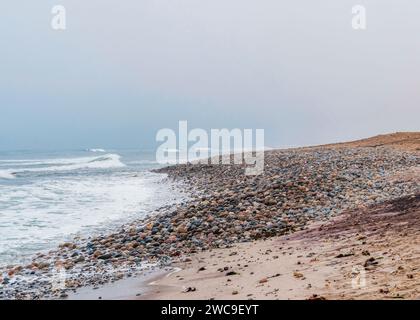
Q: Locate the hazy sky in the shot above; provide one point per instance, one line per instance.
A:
(124, 69)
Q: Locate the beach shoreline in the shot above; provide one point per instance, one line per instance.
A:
(324, 261)
(229, 211)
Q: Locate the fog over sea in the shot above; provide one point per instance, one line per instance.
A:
(49, 197)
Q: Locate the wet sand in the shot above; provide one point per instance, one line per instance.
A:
(126, 289)
(371, 253)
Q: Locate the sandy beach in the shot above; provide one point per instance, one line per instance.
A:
(339, 221)
(371, 253)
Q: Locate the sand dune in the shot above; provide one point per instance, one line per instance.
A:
(400, 140)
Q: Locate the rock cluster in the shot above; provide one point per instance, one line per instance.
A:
(226, 207)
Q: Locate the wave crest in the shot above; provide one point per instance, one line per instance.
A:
(71, 164)
(6, 174)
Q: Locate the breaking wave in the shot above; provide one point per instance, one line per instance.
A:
(52, 165)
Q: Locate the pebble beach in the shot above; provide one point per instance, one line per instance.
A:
(226, 208)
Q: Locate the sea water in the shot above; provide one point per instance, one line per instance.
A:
(49, 197)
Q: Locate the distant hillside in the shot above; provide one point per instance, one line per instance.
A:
(400, 140)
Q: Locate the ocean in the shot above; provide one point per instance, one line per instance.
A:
(47, 198)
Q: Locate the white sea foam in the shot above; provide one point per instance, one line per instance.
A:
(6, 174)
(96, 150)
(39, 215)
(141, 162)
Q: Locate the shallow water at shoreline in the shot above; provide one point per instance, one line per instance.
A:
(131, 288)
(48, 198)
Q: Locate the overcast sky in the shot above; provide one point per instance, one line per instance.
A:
(124, 69)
